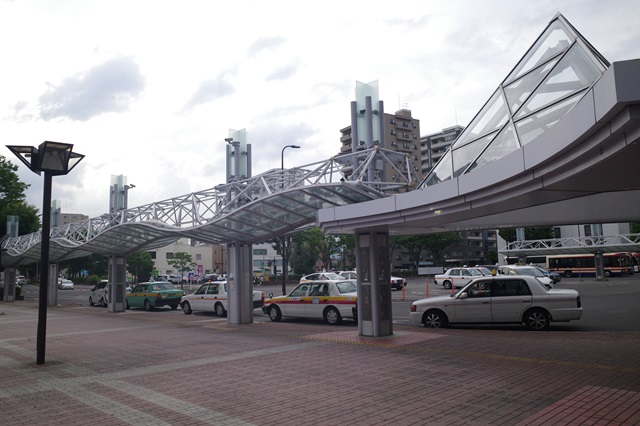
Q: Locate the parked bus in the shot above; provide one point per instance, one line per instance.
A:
(529, 260)
(570, 265)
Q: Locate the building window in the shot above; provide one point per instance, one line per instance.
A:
(198, 256)
(393, 132)
(169, 256)
(392, 121)
(152, 254)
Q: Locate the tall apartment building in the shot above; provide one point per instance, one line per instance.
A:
(401, 133)
(433, 146)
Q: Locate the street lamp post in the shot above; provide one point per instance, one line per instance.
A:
(54, 159)
(282, 155)
(284, 270)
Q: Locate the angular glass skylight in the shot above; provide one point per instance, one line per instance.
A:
(545, 84)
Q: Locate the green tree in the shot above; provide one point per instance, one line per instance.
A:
(182, 262)
(140, 265)
(635, 227)
(282, 245)
(323, 245)
(12, 200)
(304, 254)
(530, 233)
(347, 250)
(437, 244)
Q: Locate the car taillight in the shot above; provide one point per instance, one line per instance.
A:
(579, 302)
(413, 308)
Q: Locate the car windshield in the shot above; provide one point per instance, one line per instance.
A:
(533, 272)
(484, 271)
(162, 286)
(476, 272)
(346, 287)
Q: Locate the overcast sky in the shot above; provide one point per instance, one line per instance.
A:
(150, 89)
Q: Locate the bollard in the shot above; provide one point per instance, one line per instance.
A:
(453, 286)
(426, 282)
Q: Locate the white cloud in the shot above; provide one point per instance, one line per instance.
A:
(108, 87)
(150, 89)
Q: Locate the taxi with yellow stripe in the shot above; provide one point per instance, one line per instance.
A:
(331, 300)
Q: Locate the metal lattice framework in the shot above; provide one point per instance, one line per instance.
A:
(582, 245)
(253, 210)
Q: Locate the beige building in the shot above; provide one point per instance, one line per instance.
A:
(209, 258)
(434, 146)
(401, 133)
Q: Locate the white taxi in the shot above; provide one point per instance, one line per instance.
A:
(504, 299)
(332, 300)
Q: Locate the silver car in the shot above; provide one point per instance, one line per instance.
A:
(516, 299)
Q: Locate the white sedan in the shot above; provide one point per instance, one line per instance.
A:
(332, 300)
(457, 277)
(501, 299)
(65, 284)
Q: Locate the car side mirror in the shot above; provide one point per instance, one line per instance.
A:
(463, 295)
(270, 295)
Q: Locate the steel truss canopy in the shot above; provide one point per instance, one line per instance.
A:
(573, 245)
(250, 211)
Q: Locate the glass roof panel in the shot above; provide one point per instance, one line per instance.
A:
(502, 145)
(350, 193)
(534, 125)
(492, 116)
(518, 91)
(278, 213)
(327, 194)
(309, 199)
(462, 157)
(555, 40)
(288, 203)
(441, 172)
(258, 220)
(572, 74)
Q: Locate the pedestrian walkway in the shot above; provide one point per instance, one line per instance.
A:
(167, 368)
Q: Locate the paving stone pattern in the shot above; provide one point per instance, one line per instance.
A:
(167, 368)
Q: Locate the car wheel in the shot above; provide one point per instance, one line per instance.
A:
(186, 308)
(126, 304)
(435, 319)
(447, 285)
(103, 302)
(91, 301)
(274, 313)
(537, 319)
(332, 316)
(147, 305)
(174, 306)
(220, 310)
(568, 274)
(607, 274)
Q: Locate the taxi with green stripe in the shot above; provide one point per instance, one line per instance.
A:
(154, 295)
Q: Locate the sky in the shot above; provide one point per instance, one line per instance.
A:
(150, 89)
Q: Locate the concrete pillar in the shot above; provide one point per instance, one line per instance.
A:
(117, 282)
(239, 263)
(598, 258)
(375, 317)
(9, 291)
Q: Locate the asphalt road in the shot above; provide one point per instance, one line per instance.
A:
(610, 305)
